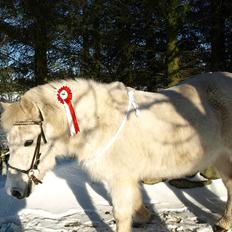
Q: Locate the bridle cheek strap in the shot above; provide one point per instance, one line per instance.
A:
(36, 156)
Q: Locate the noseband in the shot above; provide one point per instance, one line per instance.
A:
(36, 156)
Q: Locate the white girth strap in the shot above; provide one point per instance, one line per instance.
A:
(132, 106)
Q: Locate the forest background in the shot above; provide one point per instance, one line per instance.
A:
(148, 44)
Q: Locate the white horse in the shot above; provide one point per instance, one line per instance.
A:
(179, 131)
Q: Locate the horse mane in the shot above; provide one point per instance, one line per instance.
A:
(40, 96)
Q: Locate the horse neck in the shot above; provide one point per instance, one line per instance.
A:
(99, 113)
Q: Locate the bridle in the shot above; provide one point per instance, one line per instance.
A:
(36, 156)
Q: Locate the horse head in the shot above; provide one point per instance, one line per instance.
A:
(27, 133)
(38, 129)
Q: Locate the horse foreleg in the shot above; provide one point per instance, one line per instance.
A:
(141, 214)
(127, 203)
(225, 170)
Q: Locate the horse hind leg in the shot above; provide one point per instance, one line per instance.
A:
(224, 167)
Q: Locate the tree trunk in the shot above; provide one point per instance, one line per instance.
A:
(125, 69)
(40, 44)
(124, 72)
(85, 41)
(173, 56)
(97, 41)
(149, 33)
(217, 36)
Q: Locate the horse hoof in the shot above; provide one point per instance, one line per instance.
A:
(217, 228)
(141, 217)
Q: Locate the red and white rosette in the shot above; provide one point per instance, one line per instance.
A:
(64, 96)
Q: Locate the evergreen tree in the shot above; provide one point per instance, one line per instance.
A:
(147, 44)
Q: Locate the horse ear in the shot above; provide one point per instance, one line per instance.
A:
(28, 106)
(4, 105)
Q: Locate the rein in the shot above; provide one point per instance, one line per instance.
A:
(36, 156)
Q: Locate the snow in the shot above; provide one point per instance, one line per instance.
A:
(9, 96)
(69, 201)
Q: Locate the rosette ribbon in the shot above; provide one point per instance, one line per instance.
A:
(64, 96)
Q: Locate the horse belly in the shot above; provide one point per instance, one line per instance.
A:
(174, 151)
(176, 163)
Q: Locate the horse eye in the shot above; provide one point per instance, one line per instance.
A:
(28, 142)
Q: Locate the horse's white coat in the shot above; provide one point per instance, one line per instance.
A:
(131, 106)
(179, 131)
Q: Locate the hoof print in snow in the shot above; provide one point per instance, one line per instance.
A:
(140, 224)
(172, 219)
(74, 224)
(217, 228)
(201, 221)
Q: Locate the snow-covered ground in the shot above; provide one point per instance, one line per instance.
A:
(68, 201)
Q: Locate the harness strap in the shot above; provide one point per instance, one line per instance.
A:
(32, 122)
(131, 106)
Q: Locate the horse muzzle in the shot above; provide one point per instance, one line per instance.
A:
(18, 186)
(20, 193)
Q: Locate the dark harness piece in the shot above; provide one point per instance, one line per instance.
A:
(36, 157)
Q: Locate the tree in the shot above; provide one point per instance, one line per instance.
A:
(217, 35)
(173, 54)
(148, 44)
(39, 13)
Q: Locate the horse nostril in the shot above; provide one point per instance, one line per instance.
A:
(16, 194)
